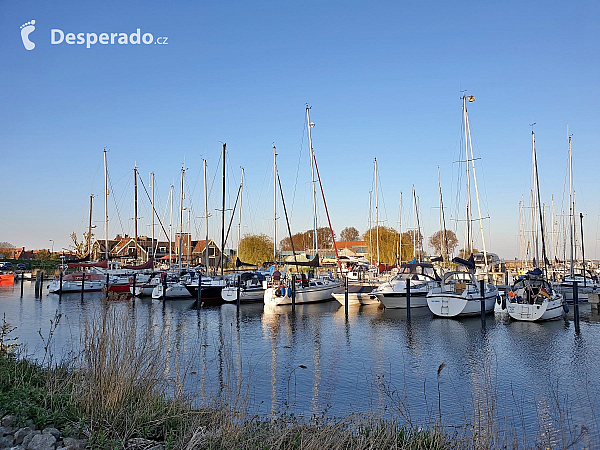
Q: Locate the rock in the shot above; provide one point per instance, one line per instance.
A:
(42, 442)
(53, 431)
(74, 444)
(29, 423)
(21, 433)
(16, 447)
(27, 439)
(7, 441)
(6, 430)
(9, 421)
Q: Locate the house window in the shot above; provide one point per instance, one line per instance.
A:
(163, 249)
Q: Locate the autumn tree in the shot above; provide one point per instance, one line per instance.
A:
(349, 234)
(304, 240)
(43, 255)
(256, 248)
(443, 242)
(389, 245)
(464, 254)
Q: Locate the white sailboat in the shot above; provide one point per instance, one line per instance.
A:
(423, 277)
(532, 298)
(459, 293)
(315, 289)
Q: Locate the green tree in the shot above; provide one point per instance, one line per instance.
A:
(349, 234)
(442, 241)
(389, 245)
(304, 240)
(256, 248)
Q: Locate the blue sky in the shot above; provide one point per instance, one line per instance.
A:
(383, 79)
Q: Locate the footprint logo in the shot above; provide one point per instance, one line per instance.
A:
(26, 30)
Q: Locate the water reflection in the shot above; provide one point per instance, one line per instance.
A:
(505, 377)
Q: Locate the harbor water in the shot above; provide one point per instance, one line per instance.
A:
(529, 382)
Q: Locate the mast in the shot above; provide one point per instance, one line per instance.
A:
(314, 187)
(370, 231)
(535, 203)
(377, 211)
(153, 248)
(223, 214)
(135, 210)
(571, 205)
(237, 251)
(171, 230)
(206, 260)
(105, 208)
(472, 99)
(181, 220)
(582, 249)
(275, 204)
(537, 184)
(89, 239)
(442, 217)
(414, 236)
(420, 236)
(399, 242)
(469, 236)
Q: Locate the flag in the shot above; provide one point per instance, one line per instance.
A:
(471, 98)
(544, 292)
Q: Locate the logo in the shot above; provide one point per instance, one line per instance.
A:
(58, 36)
(26, 30)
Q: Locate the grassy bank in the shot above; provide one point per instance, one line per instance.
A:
(115, 390)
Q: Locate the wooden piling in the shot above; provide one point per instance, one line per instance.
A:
(576, 306)
(408, 298)
(293, 292)
(482, 292)
(346, 301)
(239, 281)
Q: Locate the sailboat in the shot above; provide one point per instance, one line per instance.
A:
(306, 289)
(587, 283)
(531, 297)
(459, 293)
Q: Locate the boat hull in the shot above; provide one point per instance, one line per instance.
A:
(312, 294)
(455, 305)
(547, 310)
(397, 300)
(230, 294)
(176, 290)
(357, 295)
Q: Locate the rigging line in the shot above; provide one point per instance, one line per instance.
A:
(157, 216)
(191, 206)
(232, 215)
(115, 201)
(298, 167)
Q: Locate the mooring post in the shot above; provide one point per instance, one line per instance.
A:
(576, 306)
(346, 294)
(22, 276)
(107, 285)
(133, 286)
(82, 283)
(199, 297)
(482, 292)
(38, 283)
(239, 281)
(408, 298)
(164, 285)
(293, 292)
(60, 275)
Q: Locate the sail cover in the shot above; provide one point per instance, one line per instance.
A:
(147, 265)
(103, 264)
(239, 263)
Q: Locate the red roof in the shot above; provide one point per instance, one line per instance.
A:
(350, 244)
